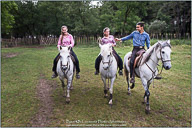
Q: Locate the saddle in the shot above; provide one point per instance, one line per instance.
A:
(117, 59)
(139, 56)
(72, 58)
(137, 62)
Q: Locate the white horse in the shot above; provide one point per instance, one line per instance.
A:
(65, 69)
(147, 70)
(108, 68)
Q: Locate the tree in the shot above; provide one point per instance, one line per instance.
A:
(7, 19)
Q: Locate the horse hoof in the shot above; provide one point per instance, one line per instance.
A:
(64, 95)
(67, 101)
(71, 88)
(143, 102)
(132, 86)
(105, 96)
(147, 111)
(110, 105)
(129, 93)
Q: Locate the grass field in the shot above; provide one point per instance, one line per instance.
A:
(170, 99)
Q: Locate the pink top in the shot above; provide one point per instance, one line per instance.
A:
(67, 41)
(110, 39)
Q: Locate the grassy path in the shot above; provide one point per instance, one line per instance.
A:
(170, 100)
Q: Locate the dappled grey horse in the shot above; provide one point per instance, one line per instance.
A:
(108, 68)
(147, 69)
(65, 69)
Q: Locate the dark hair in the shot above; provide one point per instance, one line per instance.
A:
(141, 24)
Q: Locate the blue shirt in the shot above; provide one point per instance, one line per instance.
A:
(138, 38)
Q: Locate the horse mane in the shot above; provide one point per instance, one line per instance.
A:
(149, 52)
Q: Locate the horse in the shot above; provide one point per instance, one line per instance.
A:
(108, 68)
(147, 69)
(65, 69)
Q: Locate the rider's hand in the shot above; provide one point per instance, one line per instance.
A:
(117, 39)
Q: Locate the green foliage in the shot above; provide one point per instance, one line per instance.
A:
(83, 19)
(7, 18)
(158, 26)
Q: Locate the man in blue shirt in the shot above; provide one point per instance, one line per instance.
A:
(139, 38)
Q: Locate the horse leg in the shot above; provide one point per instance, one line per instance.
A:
(127, 78)
(129, 90)
(111, 91)
(69, 81)
(105, 88)
(146, 96)
(72, 83)
(63, 86)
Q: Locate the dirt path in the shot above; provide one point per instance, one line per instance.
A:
(10, 55)
(45, 89)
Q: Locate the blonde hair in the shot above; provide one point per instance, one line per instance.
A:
(62, 34)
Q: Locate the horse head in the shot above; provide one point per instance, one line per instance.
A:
(106, 54)
(164, 53)
(64, 57)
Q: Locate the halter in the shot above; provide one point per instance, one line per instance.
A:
(68, 66)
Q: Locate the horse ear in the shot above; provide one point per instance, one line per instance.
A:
(100, 45)
(60, 47)
(69, 48)
(168, 41)
(157, 46)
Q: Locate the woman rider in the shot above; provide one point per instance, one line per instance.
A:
(105, 40)
(65, 39)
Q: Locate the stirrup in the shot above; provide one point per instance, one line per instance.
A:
(54, 75)
(96, 72)
(132, 80)
(158, 77)
(77, 76)
(120, 72)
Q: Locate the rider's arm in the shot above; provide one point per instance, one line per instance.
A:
(59, 42)
(114, 43)
(72, 41)
(148, 41)
(128, 37)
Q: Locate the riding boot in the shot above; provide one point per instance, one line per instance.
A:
(132, 75)
(77, 75)
(120, 72)
(132, 80)
(158, 77)
(96, 72)
(54, 75)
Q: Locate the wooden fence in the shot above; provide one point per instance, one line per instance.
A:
(78, 39)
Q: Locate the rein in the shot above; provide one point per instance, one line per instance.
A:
(109, 63)
(68, 67)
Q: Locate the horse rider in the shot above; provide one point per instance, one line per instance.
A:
(139, 37)
(105, 40)
(65, 39)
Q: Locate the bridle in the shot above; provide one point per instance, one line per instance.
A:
(68, 66)
(110, 61)
(153, 72)
(161, 47)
